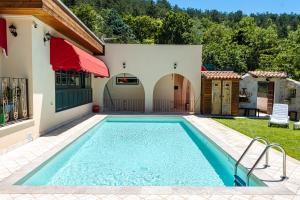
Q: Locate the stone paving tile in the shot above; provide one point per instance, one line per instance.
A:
(217, 197)
(261, 197)
(283, 197)
(240, 197)
(297, 197)
(86, 197)
(44, 197)
(22, 197)
(108, 197)
(5, 197)
(153, 197)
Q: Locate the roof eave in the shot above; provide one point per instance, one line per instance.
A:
(58, 16)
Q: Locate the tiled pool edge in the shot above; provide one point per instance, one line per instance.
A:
(222, 135)
(7, 188)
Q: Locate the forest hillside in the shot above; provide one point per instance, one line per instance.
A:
(231, 41)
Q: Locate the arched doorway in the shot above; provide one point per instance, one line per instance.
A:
(124, 93)
(173, 93)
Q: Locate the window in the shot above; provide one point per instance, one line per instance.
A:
(72, 89)
(293, 93)
(262, 89)
(127, 81)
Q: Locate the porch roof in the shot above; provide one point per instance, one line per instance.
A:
(3, 39)
(58, 16)
(267, 74)
(73, 58)
(220, 75)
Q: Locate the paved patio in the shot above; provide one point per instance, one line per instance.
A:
(23, 159)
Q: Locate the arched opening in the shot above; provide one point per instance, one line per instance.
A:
(173, 93)
(124, 93)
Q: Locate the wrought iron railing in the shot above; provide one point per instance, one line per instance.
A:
(124, 105)
(13, 99)
(171, 106)
(138, 105)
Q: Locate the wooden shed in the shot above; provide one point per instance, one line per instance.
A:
(220, 93)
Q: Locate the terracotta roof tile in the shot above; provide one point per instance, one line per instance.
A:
(220, 75)
(268, 74)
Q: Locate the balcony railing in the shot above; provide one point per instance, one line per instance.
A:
(13, 100)
(170, 106)
(124, 105)
(138, 105)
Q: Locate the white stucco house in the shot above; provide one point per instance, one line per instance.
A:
(53, 70)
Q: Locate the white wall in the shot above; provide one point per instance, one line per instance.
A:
(124, 91)
(294, 103)
(150, 63)
(44, 85)
(1, 57)
(252, 86)
(29, 57)
(164, 89)
(18, 62)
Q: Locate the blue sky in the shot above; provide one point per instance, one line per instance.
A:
(247, 6)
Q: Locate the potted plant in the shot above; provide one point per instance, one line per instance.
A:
(2, 116)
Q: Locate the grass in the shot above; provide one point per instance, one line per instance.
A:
(288, 138)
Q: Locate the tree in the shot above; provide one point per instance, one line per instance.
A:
(151, 9)
(145, 28)
(288, 57)
(162, 7)
(176, 29)
(219, 49)
(118, 28)
(88, 15)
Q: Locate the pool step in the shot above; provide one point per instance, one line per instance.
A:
(238, 181)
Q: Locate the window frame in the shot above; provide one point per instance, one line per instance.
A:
(119, 83)
(75, 91)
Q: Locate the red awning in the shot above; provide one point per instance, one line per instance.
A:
(65, 56)
(3, 37)
(203, 68)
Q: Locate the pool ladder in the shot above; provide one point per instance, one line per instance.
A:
(239, 181)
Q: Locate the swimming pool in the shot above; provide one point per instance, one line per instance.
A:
(138, 151)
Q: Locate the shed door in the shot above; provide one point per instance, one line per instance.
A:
(270, 97)
(226, 98)
(216, 98)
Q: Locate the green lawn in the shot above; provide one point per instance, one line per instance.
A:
(288, 138)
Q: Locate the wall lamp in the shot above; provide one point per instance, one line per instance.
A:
(13, 30)
(34, 24)
(47, 37)
(124, 65)
(175, 65)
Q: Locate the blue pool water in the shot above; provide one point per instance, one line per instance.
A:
(138, 152)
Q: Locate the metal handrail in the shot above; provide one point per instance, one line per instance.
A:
(247, 149)
(263, 153)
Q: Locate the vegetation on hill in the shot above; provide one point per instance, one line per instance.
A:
(231, 41)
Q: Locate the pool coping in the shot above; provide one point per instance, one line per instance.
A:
(274, 188)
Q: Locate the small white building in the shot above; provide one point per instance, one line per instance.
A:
(261, 89)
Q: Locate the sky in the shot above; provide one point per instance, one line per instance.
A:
(247, 6)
